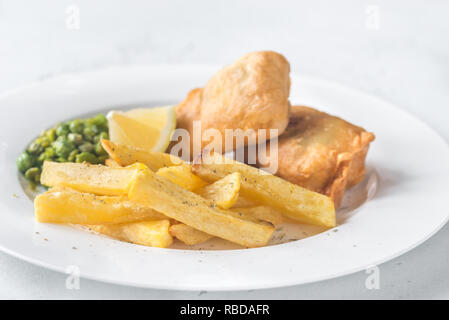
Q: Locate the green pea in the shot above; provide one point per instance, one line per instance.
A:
(102, 158)
(102, 135)
(25, 161)
(41, 157)
(40, 160)
(97, 129)
(75, 141)
(35, 148)
(86, 157)
(43, 141)
(33, 174)
(62, 129)
(86, 147)
(76, 138)
(72, 155)
(76, 126)
(99, 149)
(99, 120)
(88, 133)
(49, 153)
(51, 134)
(63, 146)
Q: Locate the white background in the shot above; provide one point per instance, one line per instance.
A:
(404, 59)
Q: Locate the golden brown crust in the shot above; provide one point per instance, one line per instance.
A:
(249, 94)
(188, 111)
(322, 153)
(337, 184)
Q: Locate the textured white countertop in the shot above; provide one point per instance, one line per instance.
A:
(397, 50)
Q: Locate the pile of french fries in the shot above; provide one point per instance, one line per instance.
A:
(150, 198)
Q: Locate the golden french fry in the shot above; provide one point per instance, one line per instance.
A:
(146, 233)
(64, 205)
(243, 202)
(182, 176)
(263, 213)
(224, 192)
(91, 178)
(189, 235)
(111, 163)
(297, 203)
(191, 209)
(126, 155)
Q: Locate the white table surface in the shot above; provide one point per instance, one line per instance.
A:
(404, 58)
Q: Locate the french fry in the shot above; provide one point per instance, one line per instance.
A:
(191, 209)
(243, 202)
(146, 233)
(64, 205)
(224, 192)
(126, 155)
(263, 213)
(182, 175)
(189, 235)
(297, 203)
(91, 178)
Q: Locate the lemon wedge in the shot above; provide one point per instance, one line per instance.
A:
(146, 128)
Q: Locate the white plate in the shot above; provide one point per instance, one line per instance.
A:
(409, 206)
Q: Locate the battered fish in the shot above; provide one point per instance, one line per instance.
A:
(321, 152)
(250, 94)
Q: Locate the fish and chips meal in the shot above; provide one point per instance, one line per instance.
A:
(156, 176)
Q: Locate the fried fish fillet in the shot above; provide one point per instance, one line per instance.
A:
(321, 152)
(249, 94)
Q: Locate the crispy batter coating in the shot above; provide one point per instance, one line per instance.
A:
(186, 112)
(321, 152)
(249, 94)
